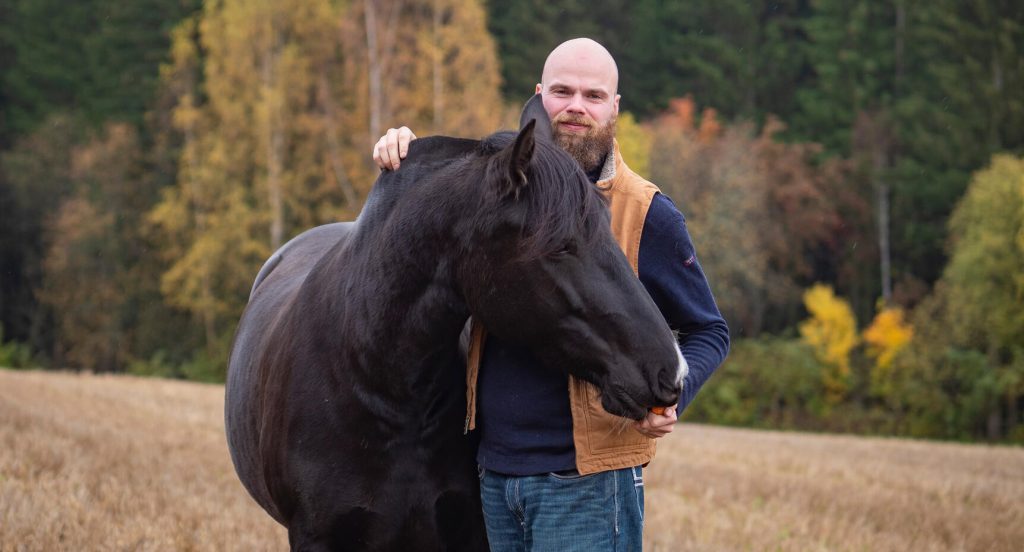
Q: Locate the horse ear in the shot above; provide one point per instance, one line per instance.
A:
(520, 157)
(534, 111)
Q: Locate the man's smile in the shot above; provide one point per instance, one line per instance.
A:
(574, 127)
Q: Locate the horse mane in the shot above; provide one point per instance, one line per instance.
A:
(562, 203)
(563, 207)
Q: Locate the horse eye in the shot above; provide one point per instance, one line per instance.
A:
(565, 251)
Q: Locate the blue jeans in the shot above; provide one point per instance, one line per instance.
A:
(564, 512)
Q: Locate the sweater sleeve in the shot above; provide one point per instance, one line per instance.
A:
(673, 277)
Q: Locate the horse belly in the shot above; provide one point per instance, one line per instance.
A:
(249, 410)
(245, 416)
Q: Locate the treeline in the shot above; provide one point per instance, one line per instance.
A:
(133, 236)
(838, 163)
(917, 94)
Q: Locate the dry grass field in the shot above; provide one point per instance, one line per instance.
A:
(121, 463)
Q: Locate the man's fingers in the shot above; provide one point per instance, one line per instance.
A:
(393, 159)
(382, 156)
(670, 413)
(389, 151)
(657, 425)
(378, 148)
(666, 417)
(655, 433)
(405, 136)
(385, 151)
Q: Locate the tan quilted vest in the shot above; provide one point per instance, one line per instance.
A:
(603, 441)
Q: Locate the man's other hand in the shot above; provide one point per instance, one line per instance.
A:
(657, 425)
(392, 148)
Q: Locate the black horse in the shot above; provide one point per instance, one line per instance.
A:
(345, 397)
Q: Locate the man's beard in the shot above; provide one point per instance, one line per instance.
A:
(590, 148)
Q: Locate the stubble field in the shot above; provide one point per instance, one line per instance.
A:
(92, 462)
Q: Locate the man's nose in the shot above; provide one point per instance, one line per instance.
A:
(576, 104)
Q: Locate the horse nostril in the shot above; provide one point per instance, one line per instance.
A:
(670, 386)
(666, 385)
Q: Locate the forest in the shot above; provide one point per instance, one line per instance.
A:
(852, 172)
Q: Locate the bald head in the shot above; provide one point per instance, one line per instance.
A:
(582, 54)
(579, 91)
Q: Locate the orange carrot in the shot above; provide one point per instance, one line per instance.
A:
(659, 410)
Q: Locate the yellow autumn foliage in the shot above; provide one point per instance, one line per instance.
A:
(276, 105)
(832, 332)
(887, 335)
(635, 143)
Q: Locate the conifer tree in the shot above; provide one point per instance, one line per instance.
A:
(527, 30)
(49, 63)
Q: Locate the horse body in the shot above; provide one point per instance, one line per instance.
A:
(345, 393)
(392, 444)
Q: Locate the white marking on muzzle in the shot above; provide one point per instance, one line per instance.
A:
(684, 368)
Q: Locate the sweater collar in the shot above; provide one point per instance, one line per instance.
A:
(611, 165)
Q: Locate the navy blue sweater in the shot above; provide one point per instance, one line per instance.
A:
(523, 412)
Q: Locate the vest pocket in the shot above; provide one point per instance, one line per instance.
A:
(607, 432)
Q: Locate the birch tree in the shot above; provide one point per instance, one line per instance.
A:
(275, 115)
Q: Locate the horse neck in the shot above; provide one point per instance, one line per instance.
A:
(400, 307)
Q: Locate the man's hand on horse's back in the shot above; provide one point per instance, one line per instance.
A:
(392, 148)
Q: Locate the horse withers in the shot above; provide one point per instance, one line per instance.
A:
(345, 395)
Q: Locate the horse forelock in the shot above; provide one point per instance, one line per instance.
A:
(562, 204)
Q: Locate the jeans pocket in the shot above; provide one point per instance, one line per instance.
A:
(638, 488)
(568, 475)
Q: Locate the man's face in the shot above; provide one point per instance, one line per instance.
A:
(580, 100)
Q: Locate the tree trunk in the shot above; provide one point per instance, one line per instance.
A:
(901, 27)
(882, 191)
(209, 322)
(883, 154)
(274, 144)
(348, 191)
(995, 106)
(994, 424)
(1012, 413)
(206, 290)
(380, 48)
(374, 68)
(437, 69)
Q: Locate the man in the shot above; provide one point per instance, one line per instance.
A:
(557, 472)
